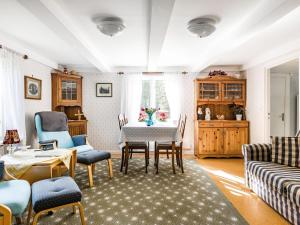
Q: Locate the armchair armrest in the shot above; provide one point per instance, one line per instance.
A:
(257, 152)
(79, 140)
(5, 215)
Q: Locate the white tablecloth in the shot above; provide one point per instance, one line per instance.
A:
(160, 131)
(18, 163)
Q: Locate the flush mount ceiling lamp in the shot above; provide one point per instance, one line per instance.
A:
(202, 26)
(110, 26)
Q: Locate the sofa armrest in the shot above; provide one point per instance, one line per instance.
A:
(257, 152)
(5, 215)
(79, 140)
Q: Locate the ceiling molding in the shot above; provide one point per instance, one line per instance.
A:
(22, 48)
(160, 15)
(265, 14)
(53, 16)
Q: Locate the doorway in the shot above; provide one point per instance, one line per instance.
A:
(284, 99)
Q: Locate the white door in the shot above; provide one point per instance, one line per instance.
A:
(278, 105)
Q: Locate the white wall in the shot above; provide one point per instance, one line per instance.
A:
(40, 71)
(257, 97)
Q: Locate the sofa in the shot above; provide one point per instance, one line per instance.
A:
(274, 175)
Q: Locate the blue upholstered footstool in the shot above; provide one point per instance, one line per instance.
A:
(55, 193)
(90, 158)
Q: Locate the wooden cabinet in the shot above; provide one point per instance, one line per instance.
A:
(220, 90)
(220, 138)
(210, 141)
(67, 97)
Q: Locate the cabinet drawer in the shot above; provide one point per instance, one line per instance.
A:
(210, 124)
(236, 124)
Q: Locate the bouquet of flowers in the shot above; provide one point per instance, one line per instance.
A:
(143, 115)
(150, 110)
(163, 116)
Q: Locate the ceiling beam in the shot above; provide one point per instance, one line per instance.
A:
(267, 13)
(160, 16)
(53, 16)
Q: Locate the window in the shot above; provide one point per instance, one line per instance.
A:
(154, 93)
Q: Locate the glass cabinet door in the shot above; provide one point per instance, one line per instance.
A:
(233, 92)
(69, 90)
(209, 91)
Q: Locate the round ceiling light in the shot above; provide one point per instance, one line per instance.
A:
(110, 26)
(202, 26)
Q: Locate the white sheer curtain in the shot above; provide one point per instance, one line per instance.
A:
(173, 86)
(131, 95)
(11, 93)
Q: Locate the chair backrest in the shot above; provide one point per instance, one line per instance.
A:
(122, 120)
(182, 125)
(64, 140)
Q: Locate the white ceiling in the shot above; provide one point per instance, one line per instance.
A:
(155, 38)
(291, 67)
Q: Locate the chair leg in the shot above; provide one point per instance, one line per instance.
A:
(131, 153)
(74, 209)
(122, 160)
(93, 167)
(90, 174)
(36, 218)
(29, 213)
(167, 153)
(19, 220)
(181, 161)
(81, 214)
(110, 169)
(157, 159)
(146, 160)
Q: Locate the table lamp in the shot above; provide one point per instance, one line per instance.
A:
(11, 138)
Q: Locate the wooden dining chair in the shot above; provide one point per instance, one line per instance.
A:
(134, 147)
(164, 147)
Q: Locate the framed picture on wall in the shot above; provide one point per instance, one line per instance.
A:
(104, 90)
(32, 88)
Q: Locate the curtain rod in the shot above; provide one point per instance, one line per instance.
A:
(23, 56)
(152, 73)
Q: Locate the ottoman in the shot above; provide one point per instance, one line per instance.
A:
(55, 193)
(90, 158)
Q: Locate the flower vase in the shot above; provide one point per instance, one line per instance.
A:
(150, 120)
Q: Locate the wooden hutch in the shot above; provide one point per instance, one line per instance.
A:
(220, 138)
(67, 97)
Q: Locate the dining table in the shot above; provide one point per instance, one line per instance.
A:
(162, 131)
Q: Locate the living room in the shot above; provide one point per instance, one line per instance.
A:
(149, 112)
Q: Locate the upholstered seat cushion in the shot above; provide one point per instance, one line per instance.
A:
(273, 176)
(15, 194)
(166, 144)
(54, 192)
(92, 156)
(83, 148)
(293, 192)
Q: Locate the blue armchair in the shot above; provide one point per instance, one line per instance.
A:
(85, 153)
(12, 204)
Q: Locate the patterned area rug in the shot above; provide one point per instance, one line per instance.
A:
(149, 199)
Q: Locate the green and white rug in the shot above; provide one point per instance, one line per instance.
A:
(149, 199)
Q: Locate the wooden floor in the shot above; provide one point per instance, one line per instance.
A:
(228, 174)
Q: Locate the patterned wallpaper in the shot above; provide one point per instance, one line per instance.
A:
(103, 128)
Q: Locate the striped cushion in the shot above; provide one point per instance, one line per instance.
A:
(273, 176)
(257, 152)
(285, 150)
(293, 192)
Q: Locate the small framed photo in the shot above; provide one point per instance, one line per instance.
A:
(33, 88)
(104, 90)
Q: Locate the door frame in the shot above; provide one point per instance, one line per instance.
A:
(267, 108)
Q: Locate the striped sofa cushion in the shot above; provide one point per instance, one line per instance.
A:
(285, 150)
(273, 176)
(293, 192)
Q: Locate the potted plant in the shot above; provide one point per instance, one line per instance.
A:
(238, 111)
